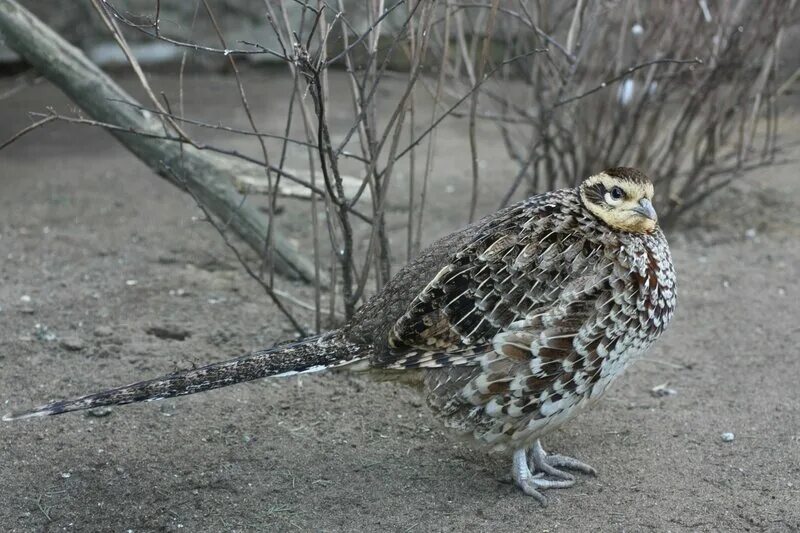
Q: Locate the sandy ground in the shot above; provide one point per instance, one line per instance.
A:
(80, 219)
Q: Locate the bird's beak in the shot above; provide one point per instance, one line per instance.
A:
(646, 209)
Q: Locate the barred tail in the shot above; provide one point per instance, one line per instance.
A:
(309, 355)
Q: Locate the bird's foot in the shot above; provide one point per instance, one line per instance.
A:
(533, 471)
(553, 463)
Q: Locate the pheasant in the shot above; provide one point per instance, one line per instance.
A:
(509, 327)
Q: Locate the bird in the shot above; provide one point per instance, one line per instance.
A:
(509, 328)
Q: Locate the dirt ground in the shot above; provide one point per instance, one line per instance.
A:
(95, 250)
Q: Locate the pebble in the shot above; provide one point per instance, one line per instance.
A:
(660, 391)
(727, 437)
(100, 412)
(103, 331)
(178, 292)
(72, 343)
(169, 331)
(43, 333)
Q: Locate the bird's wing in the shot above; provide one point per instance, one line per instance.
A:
(552, 356)
(515, 269)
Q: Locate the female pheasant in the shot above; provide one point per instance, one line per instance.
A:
(510, 327)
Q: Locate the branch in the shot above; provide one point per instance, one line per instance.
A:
(628, 72)
(156, 34)
(243, 175)
(25, 131)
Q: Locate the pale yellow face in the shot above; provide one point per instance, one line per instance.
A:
(621, 203)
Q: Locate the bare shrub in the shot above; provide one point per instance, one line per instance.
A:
(572, 86)
(616, 89)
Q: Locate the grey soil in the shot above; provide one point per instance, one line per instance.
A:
(106, 278)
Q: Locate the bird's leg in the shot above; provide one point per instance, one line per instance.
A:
(535, 475)
(552, 464)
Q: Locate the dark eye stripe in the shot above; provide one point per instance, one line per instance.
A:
(596, 194)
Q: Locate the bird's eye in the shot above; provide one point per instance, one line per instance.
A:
(614, 196)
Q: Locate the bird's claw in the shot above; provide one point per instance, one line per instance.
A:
(552, 464)
(533, 471)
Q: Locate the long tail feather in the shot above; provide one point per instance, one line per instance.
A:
(309, 355)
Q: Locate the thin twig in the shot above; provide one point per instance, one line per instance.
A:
(202, 147)
(473, 144)
(269, 238)
(222, 233)
(364, 35)
(134, 63)
(156, 34)
(628, 72)
(28, 129)
(461, 100)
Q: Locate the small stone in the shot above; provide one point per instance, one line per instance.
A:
(750, 233)
(169, 332)
(42, 333)
(103, 331)
(25, 299)
(660, 391)
(131, 282)
(72, 343)
(178, 292)
(65, 475)
(100, 412)
(727, 437)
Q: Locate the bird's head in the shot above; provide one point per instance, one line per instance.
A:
(622, 198)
